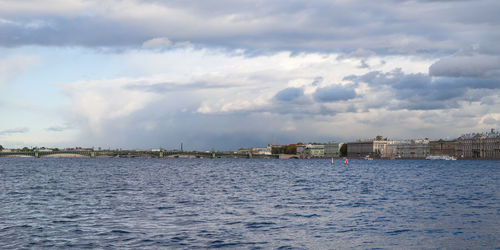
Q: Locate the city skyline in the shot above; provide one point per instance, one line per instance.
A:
(224, 74)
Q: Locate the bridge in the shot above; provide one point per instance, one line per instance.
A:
(130, 154)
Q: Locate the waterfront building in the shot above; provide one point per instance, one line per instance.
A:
(468, 146)
(255, 151)
(371, 148)
(478, 146)
(331, 149)
(442, 148)
(301, 149)
(314, 150)
(359, 148)
(261, 151)
(492, 145)
(244, 151)
(408, 149)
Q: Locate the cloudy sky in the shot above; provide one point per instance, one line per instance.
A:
(223, 74)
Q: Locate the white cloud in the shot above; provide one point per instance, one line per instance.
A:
(245, 53)
(189, 88)
(102, 100)
(15, 64)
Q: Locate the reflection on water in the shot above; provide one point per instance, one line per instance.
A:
(242, 203)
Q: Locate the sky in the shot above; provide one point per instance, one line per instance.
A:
(224, 74)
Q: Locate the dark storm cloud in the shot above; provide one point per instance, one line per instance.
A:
(289, 94)
(359, 28)
(334, 93)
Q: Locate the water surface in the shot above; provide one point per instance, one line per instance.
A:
(248, 203)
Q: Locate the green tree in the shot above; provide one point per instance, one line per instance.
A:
(1, 147)
(343, 150)
(285, 149)
(291, 149)
(25, 149)
(275, 150)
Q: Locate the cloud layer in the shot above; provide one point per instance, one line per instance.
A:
(256, 26)
(224, 74)
(295, 98)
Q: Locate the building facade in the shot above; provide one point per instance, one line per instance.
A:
(314, 150)
(301, 149)
(478, 146)
(261, 151)
(442, 148)
(492, 146)
(409, 149)
(332, 149)
(359, 148)
(371, 148)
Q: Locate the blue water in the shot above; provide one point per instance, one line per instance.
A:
(248, 203)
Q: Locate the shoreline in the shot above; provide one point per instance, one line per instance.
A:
(226, 157)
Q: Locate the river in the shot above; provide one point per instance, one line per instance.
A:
(248, 203)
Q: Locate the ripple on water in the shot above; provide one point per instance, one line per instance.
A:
(241, 203)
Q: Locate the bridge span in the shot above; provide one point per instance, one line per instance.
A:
(130, 154)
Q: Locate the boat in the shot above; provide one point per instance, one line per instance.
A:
(440, 157)
(368, 158)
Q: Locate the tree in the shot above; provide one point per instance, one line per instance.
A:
(275, 151)
(291, 149)
(25, 149)
(1, 147)
(343, 150)
(285, 149)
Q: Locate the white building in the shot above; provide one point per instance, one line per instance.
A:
(313, 150)
(262, 151)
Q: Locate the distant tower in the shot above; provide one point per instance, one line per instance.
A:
(181, 147)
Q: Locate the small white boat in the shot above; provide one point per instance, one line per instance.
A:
(440, 157)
